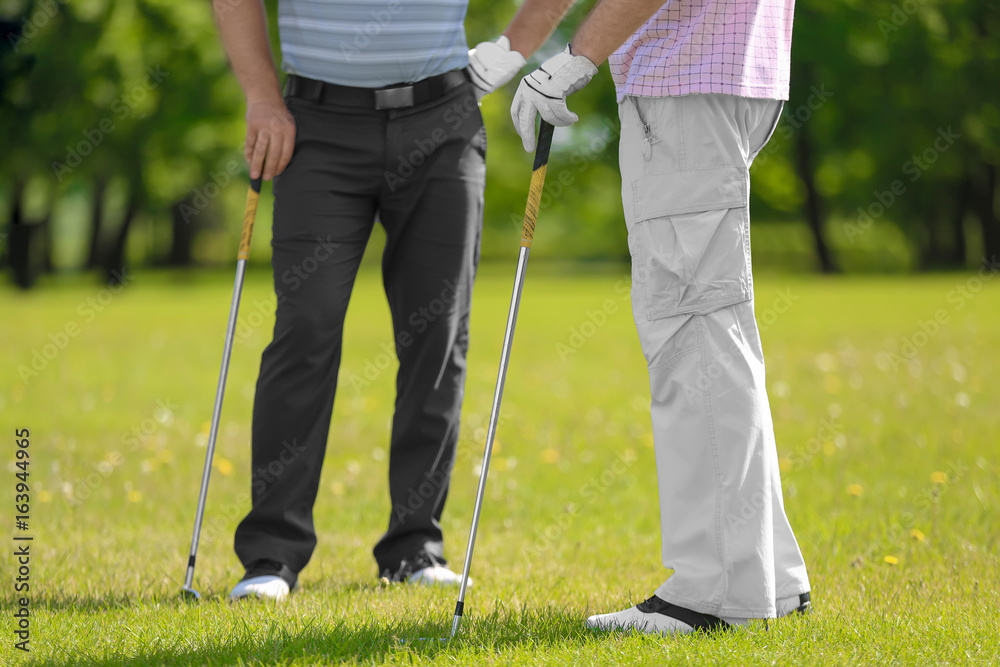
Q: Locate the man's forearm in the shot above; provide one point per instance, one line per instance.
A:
(243, 26)
(606, 28)
(609, 25)
(534, 22)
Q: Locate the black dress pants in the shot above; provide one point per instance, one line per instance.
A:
(421, 172)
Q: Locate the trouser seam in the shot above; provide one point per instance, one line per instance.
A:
(713, 445)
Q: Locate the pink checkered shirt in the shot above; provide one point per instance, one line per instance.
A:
(733, 47)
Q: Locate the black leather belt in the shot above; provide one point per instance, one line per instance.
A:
(400, 96)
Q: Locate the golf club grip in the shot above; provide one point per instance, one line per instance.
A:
(249, 214)
(537, 181)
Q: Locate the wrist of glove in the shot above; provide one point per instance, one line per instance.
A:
(492, 64)
(544, 92)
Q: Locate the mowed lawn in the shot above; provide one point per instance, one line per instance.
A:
(885, 399)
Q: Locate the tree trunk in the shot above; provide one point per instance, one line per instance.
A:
(45, 243)
(183, 234)
(96, 219)
(929, 241)
(6, 252)
(114, 262)
(22, 246)
(986, 210)
(813, 202)
(958, 246)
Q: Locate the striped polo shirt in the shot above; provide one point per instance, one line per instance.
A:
(372, 43)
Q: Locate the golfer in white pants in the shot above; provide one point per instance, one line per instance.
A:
(700, 87)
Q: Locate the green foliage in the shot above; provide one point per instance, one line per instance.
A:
(132, 88)
(900, 75)
(874, 85)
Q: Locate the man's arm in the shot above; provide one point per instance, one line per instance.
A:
(609, 25)
(270, 127)
(534, 23)
(544, 91)
(605, 29)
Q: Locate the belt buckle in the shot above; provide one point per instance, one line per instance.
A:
(394, 98)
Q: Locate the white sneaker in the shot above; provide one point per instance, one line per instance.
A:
(436, 575)
(267, 586)
(426, 570)
(656, 616)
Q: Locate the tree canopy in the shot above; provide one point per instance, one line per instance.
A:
(123, 127)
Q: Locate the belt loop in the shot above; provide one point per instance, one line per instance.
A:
(314, 92)
(302, 88)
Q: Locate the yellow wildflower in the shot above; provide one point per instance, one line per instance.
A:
(224, 466)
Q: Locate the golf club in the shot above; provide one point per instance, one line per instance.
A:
(527, 235)
(253, 193)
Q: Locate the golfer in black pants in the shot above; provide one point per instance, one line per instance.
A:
(383, 128)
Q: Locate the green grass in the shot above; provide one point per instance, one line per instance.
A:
(106, 570)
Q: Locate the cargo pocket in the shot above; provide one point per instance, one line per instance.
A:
(692, 240)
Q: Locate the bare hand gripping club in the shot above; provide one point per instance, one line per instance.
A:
(527, 235)
(253, 194)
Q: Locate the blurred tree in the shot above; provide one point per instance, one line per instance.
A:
(25, 249)
(909, 136)
(893, 121)
(137, 90)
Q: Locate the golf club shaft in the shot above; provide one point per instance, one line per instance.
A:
(527, 235)
(249, 215)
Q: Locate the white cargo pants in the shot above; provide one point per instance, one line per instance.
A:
(685, 186)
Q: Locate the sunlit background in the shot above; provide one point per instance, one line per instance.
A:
(122, 127)
(875, 238)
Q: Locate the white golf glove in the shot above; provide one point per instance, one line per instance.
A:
(544, 92)
(492, 64)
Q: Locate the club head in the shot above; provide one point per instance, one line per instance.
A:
(190, 594)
